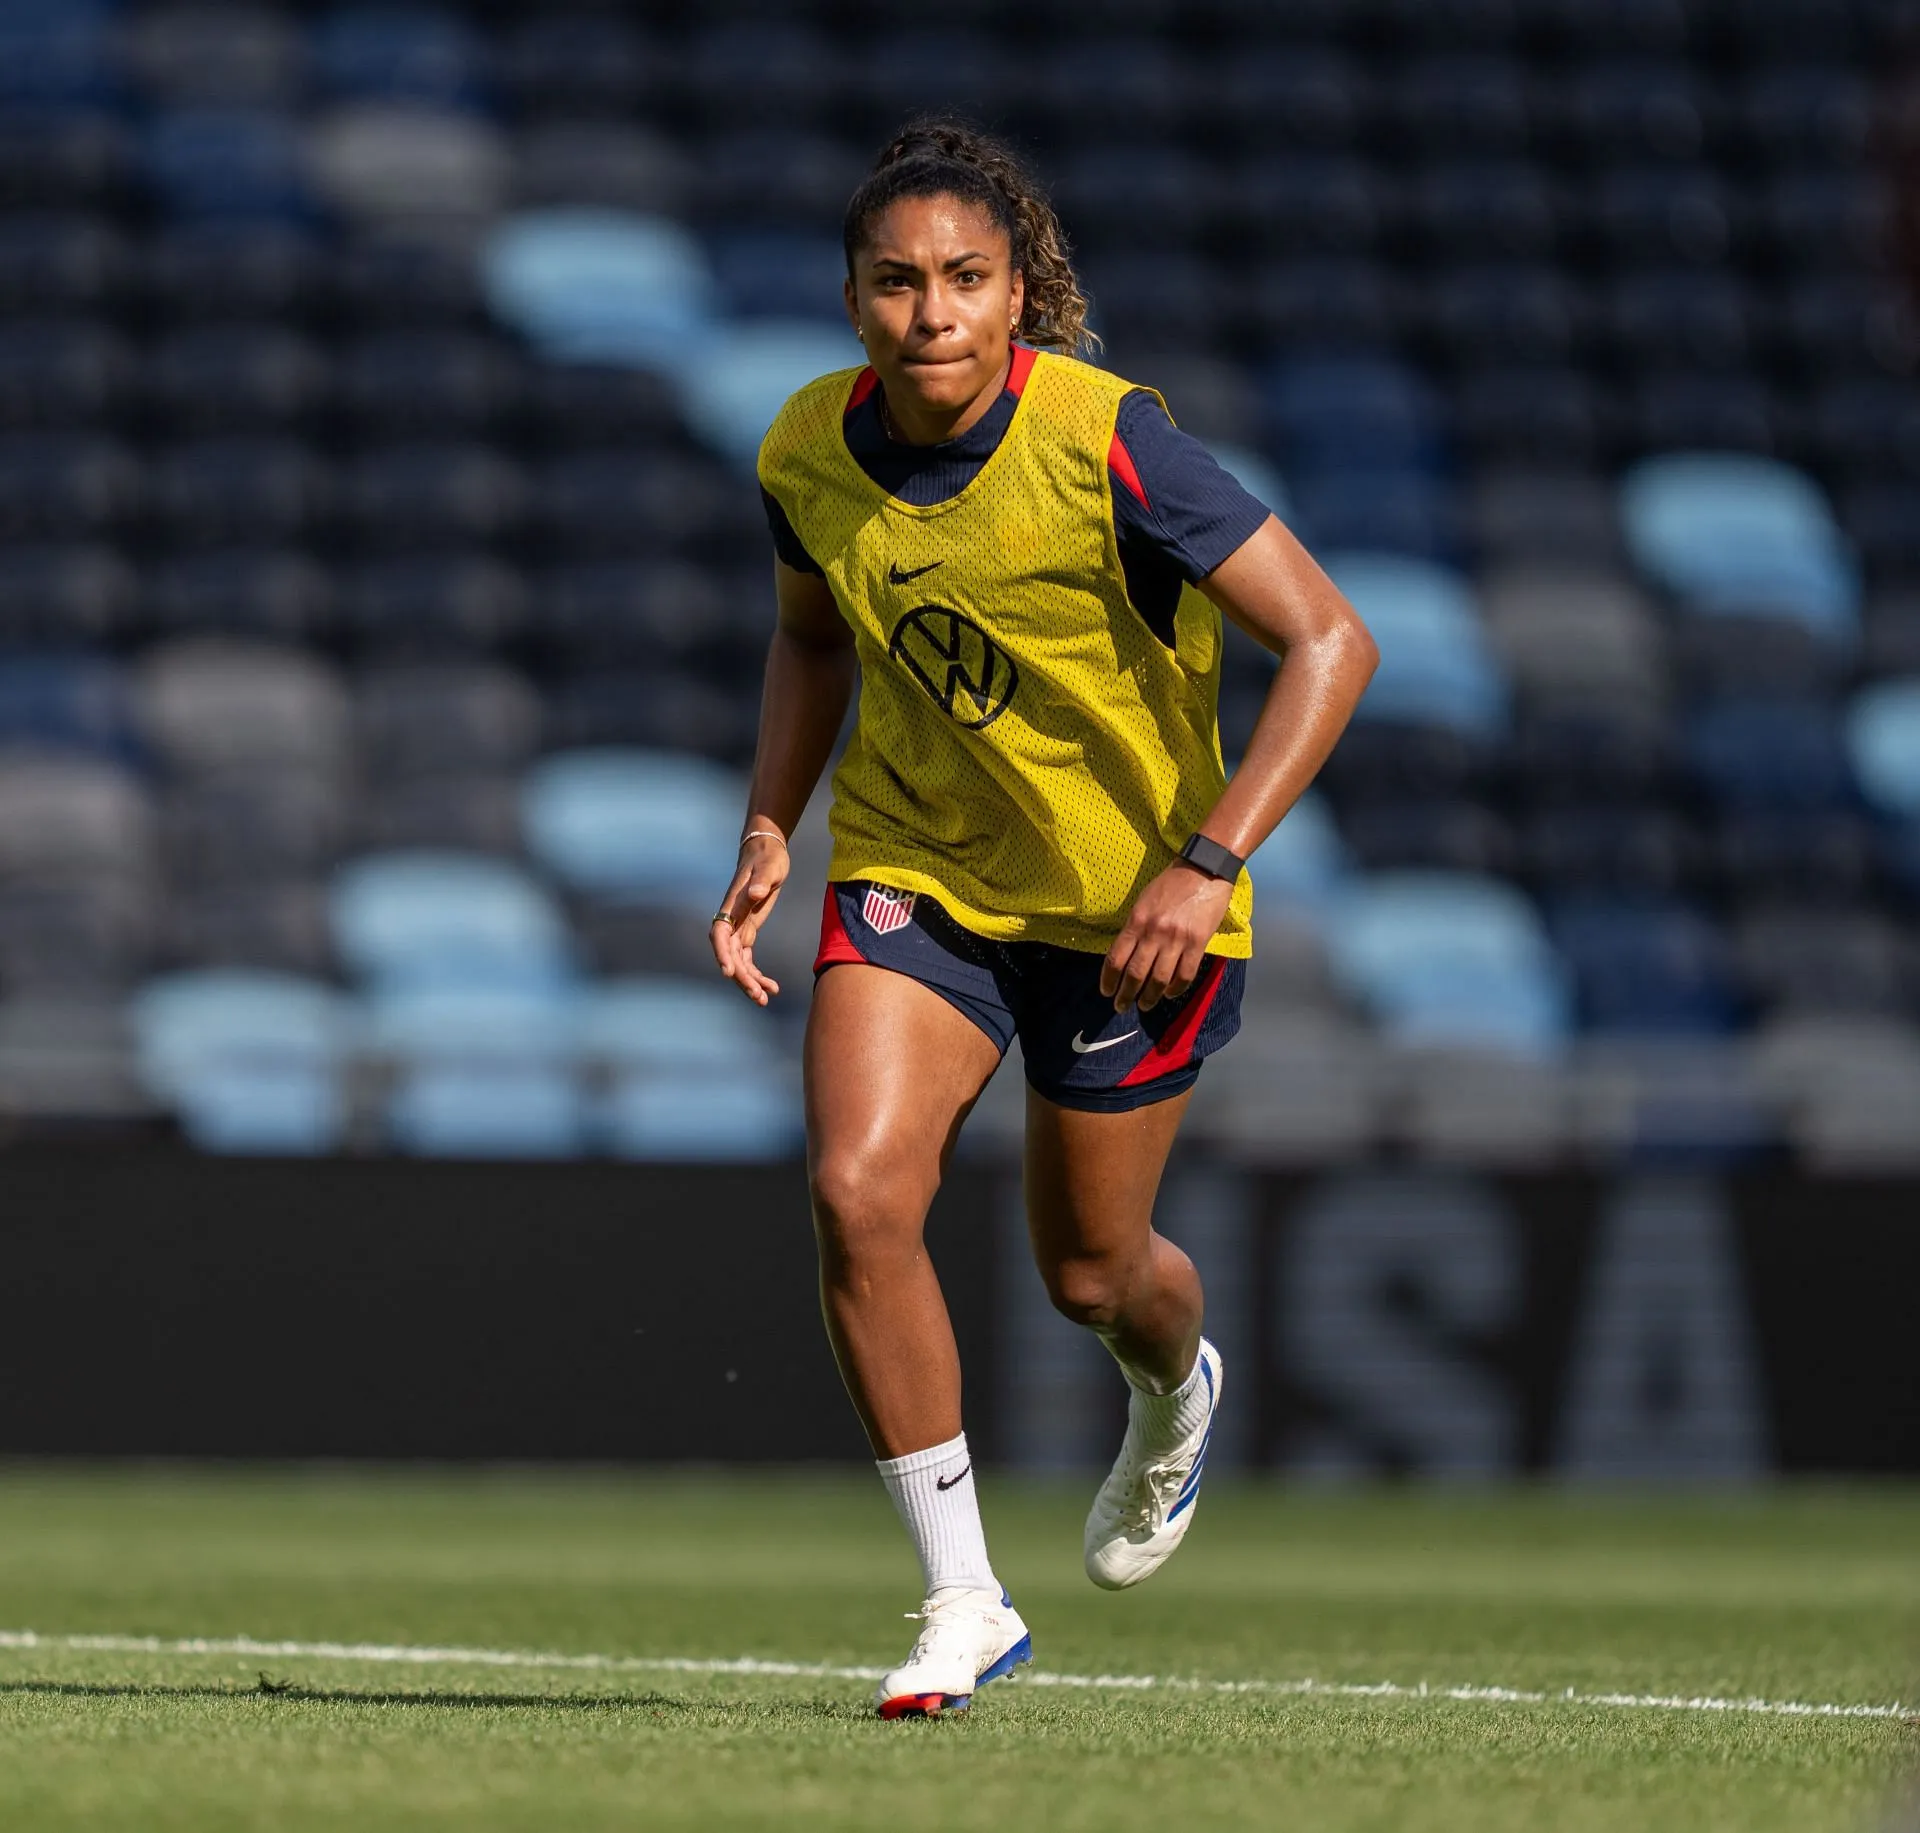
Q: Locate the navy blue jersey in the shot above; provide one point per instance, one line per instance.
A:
(1176, 512)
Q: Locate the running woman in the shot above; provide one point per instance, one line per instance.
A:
(1024, 566)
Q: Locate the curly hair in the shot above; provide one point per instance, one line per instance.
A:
(944, 157)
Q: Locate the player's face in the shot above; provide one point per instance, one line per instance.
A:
(935, 297)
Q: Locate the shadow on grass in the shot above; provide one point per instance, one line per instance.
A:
(319, 1696)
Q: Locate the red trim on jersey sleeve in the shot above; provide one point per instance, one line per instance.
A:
(835, 943)
(1175, 1049)
(863, 385)
(1020, 368)
(1120, 463)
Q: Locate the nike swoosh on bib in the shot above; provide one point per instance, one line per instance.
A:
(898, 575)
(1081, 1046)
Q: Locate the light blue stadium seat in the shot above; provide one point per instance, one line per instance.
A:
(646, 826)
(480, 1071)
(1730, 533)
(1883, 741)
(1436, 665)
(1302, 865)
(250, 1062)
(421, 918)
(690, 1071)
(1450, 958)
(733, 390)
(601, 286)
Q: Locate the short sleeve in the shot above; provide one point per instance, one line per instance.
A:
(1178, 498)
(786, 544)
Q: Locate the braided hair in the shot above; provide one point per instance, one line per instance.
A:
(942, 157)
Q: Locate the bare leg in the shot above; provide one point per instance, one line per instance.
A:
(891, 1071)
(1091, 1180)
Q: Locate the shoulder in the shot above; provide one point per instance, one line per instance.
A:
(806, 416)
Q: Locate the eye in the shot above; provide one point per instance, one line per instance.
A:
(968, 276)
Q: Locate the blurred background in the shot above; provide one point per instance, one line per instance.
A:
(383, 589)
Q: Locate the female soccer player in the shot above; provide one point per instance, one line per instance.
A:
(1033, 834)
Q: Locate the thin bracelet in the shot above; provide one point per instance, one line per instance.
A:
(765, 833)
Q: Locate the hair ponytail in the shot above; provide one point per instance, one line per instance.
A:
(941, 157)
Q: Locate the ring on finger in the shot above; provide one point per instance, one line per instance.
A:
(722, 916)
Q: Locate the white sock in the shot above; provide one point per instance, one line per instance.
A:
(1164, 1421)
(933, 1490)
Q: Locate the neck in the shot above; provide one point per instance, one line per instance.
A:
(910, 423)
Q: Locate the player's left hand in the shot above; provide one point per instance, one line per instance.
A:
(1160, 952)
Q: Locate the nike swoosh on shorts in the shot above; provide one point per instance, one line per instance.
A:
(1080, 1048)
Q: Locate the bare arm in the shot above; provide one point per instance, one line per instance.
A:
(1272, 589)
(809, 680)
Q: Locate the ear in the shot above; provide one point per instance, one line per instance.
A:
(1017, 299)
(853, 306)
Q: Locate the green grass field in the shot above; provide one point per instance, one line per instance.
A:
(1809, 1596)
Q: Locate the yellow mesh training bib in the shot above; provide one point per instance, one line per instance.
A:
(1028, 752)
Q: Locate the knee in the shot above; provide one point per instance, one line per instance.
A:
(863, 1210)
(1091, 1290)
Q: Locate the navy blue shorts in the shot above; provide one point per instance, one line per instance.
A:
(1079, 1051)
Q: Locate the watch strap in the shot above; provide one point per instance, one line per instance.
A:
(1212, 858)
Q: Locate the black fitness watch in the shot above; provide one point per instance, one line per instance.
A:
(1212, 858)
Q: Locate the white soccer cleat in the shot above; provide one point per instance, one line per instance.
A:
(1145, 1506)
(968, 1638)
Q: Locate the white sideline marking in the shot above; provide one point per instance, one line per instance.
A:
(808, 1670)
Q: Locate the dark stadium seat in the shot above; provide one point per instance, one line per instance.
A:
(609, 164)
(1794, 959)
(63, 375)
(1581, 745)
(59, 596)
(641, 610)
(1641, 108)
(1634, 849)
(581, 61)
(1307, 95)
(57, 156)
(407, 279)
(224, 55)
(433, 603)
(56, 53)
(229, 492)
(1507, 312)
(655, 707)
(75, 935)
(1453, 835)
(1842, 323)
(1810, 219)
(1114, 88)
(235, 378)
(1549, 412)
(214, 705)
(1525, 512)
(940, 67)
(1678, 318)
(1743, 655)
(429, 494)
(244, 824)
(595, 404)
(1151, 198)
(275, 593)
(773, 71)
(1291, 204)
(1882, 517)
(1353, 411)
(471, 813)
(237, 270)
(1774, 753)
(65, 487)
(274, 926)
(777, 180)
(1645, 965)
(1800, 113)
(1156, 297)
(1383, 509)
(1704, 410)
(441, 718)
(1462, 102)
(1865, 425)
(1824, 856)
(1324, 303)
(1399, 759)
(1451, 22)
(1651, 214)
(420, 53)
(763, 273)
(421, 384)
(76, 704)
(623, 501)
(55, 262)
(225, 162)
(1493, 210)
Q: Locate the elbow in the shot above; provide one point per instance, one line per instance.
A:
(1363, 653)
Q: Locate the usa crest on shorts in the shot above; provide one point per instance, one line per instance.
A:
(884, 910)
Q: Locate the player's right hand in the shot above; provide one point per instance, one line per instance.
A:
(764, 865)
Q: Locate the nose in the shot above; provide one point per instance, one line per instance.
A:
(936, 310)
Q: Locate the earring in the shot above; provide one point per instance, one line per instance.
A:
(861, 335)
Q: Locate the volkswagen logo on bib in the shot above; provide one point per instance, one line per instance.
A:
(962, 667)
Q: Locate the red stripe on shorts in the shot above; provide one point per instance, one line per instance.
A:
(835, 943)
(1175, 1050)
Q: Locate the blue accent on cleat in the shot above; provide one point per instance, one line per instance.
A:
(1017, 1656)
(1191, 1488)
